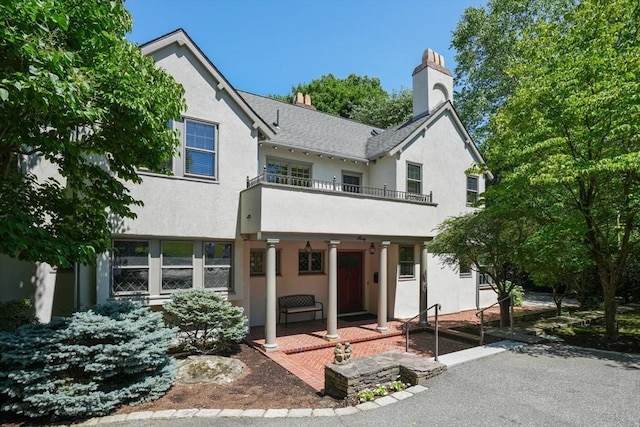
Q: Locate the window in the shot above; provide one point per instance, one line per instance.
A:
(310, 262)
(414, 178)
(465, 270)
(130, 267)
(407, 264)
(282, 172)
(200, 148)
(351, 183)
(217, 265)
(257, 262)
(484, 281)
(472, 189)
(177, 266)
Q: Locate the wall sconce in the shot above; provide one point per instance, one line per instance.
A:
(307, 247)
(372, 249)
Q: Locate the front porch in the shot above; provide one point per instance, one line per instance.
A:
(304, 350)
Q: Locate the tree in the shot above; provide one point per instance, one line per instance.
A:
(387, 112)
(76, 94)
(339, 96)
(489, 242)
(485, 42)
(569, 133)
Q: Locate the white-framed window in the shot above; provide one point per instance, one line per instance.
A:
(414, 178)
(472, 189)
(484, 281)
(287, 172)
(200, 145)
(310, 262)
(258, 261)
(351, 182)
(130, 267)
(177, 265)
(465, 270)
(218, 262)
(406, 262)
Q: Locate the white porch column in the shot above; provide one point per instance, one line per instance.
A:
(332, 304)
(424, 258)
(382, 292)
(271, 312)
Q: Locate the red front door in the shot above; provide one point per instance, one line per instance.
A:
(349, 282)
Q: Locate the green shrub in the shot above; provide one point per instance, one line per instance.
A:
(16, 313)
(87, 364)
(518, 295)
(207, 323)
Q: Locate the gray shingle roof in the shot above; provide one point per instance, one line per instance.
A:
(313, 130)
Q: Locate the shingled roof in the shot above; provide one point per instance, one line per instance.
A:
(311, 130)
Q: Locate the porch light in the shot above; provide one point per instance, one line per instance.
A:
(372, 249)
(307, 247)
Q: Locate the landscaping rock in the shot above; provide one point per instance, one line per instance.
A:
(209, 369)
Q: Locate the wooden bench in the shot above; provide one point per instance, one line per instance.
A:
(294, 304)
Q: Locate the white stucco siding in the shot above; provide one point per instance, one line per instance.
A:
(286, 209)
(383, 172)
(198, 207)
(445, 157)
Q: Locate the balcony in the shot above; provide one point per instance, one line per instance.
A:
(273, 205)
(334, 186)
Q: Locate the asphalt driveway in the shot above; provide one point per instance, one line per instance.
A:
(541, 385)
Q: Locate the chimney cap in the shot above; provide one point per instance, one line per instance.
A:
(432, 59)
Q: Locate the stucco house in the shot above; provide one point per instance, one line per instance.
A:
(267, 198)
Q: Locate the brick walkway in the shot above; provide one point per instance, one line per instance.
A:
(304, 351)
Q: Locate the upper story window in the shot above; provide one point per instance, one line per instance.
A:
(406, 262)
(414, 178)
(472, 189)
(285, 172)
(200, 148)
(465, 270)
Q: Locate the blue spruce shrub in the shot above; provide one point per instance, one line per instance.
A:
(87, 364)
(207, 323)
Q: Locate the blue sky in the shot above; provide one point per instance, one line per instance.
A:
(267, 46)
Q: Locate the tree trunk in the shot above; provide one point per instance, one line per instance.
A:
(610, 318)
(505, 318)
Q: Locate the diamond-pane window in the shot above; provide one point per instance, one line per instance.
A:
(218, 265)
(258, 260)
(177, 265)
(130, 267)
(310, 262)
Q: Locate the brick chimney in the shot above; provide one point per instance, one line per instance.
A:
(303, 100)
(432, 83)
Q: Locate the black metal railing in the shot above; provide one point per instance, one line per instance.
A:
(405, 325)
(335, 186)
(480, 315)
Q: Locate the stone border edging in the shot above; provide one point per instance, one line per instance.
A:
(258, 413)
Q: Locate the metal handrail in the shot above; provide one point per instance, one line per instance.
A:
(405, 325)
(480, 315)
(335, 186)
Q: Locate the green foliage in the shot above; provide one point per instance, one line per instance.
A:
(207, 323)
(74, 92)
(387, 112)
(517, 292)
(16, 313)
(485, 41)
(568, 136)
(339, 96)
(88, 364)
(366, 395)
(396, 386)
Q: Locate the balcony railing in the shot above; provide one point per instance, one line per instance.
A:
(335, 186)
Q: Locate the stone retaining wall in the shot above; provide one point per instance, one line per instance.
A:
(345, 381)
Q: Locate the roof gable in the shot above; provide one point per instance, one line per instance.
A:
(181, 38)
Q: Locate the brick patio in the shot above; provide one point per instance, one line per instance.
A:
(304, 351)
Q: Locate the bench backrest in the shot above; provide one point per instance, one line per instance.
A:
(291, 301)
